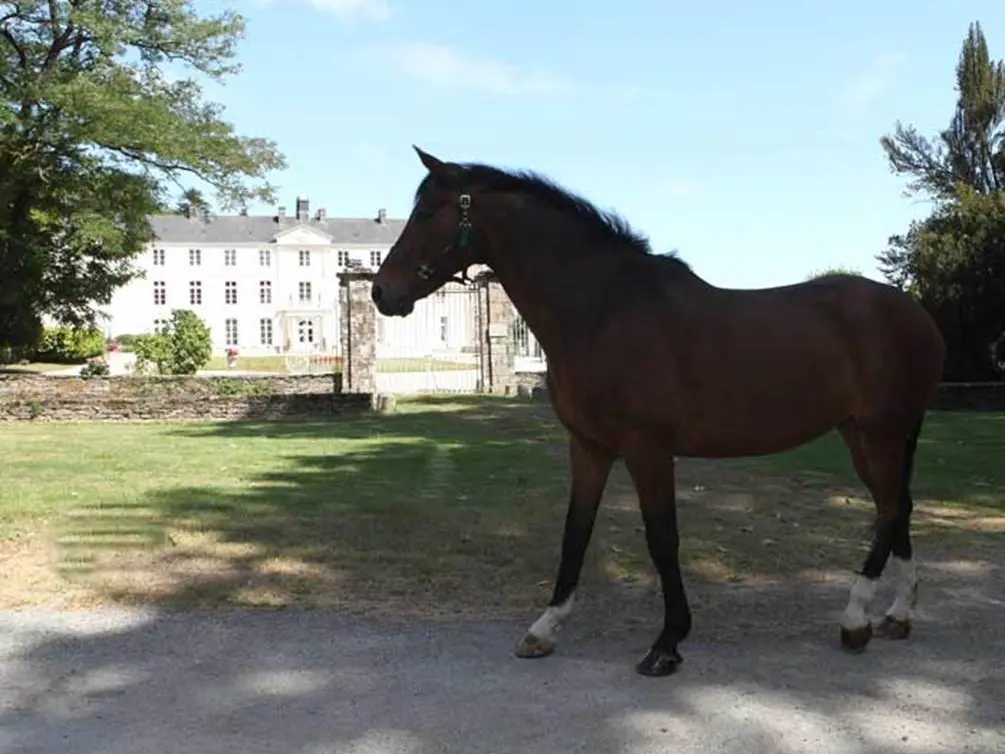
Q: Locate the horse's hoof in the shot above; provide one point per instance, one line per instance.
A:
(856, 639)
(534, 646)
(891, 628)
(658, 663)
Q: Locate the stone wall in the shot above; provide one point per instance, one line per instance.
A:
(55, 398)
(530, 384)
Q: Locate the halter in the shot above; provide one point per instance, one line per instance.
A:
(426, 270)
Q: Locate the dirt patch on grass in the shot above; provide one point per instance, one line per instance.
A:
(30, 577)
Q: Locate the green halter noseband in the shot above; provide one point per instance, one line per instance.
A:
(426, 270)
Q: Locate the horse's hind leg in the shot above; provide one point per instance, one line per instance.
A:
(881, 453)
(897, 623)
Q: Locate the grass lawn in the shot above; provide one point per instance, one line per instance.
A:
(250, 363)
(451, 505)
(406, 364)
(35, 366)
(278, 364)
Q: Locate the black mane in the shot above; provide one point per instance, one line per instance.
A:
(603, 225)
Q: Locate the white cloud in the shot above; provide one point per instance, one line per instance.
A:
(375, 10)
(866, 88)
(442, 67)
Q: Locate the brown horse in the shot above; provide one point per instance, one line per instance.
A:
(647, 361)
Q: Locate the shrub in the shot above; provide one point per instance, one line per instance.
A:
(126, 341)
(191, 342)
(153, 350)
(184, 348)
(95, 368)
(61, 345)
(839, 269)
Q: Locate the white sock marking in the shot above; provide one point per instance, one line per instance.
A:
(858, 602)
(550, 622)
(907, 581)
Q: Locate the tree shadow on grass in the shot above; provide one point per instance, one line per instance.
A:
(457, 512)
(431, 525)
(418, 515)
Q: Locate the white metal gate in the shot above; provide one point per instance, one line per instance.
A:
(436, 348)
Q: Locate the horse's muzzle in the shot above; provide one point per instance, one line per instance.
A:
(389, 303)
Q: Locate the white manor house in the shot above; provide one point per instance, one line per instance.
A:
(268, 284)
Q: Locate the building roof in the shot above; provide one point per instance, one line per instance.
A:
(262, 229)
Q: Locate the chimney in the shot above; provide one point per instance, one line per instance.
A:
(322, 214)
(281, 213)
(382, 215)
(303, 210)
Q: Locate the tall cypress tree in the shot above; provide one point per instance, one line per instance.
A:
(954, 260)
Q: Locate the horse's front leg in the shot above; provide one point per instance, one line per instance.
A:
(590, 466)
(653, 475)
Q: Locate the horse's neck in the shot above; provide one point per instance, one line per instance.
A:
(553, 291)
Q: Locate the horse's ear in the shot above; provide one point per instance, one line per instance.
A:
(435, 166)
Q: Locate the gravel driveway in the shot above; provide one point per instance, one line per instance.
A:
(319, 683)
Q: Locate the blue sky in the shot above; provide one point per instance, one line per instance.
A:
(744, 134)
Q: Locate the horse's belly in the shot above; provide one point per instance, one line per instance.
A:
(732, 437)
(742, 416)
(757, 422)
(704, 410)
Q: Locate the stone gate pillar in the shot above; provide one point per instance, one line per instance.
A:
(357, 332)
(497, 340)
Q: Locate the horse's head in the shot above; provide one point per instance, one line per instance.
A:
(435, 245)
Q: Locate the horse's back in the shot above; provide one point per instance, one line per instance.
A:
(726, 372)
(894, 346)
(846, 344)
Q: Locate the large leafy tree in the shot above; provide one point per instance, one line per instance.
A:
(954, 260)
(92, 131)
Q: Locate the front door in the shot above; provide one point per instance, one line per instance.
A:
(305, 333)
